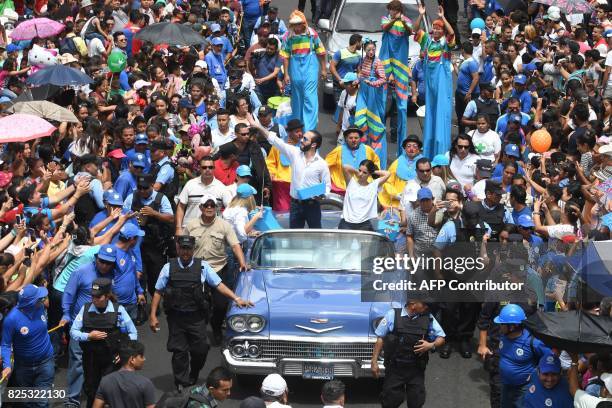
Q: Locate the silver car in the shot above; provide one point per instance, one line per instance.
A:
(359, 17)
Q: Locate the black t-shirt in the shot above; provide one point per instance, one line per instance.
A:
(127, 389)
(572, 146)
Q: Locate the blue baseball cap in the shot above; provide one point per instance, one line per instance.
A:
(244, 171)
(512, 150)
(440, 160)
(607, 34)
(107, 253)
(424, 194)
(131, 231)
(215, 28)
(520, 79)
(217, 41)
(530, 67)
(515, 117)
(141, 138)
(549, 363)
(526, 221)
(349, 77)
(245, 190)
(138, 160)
(30, 294)
(112, 197)
(12, 48)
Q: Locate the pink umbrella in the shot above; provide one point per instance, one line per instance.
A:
(21, 127)
(37, 27)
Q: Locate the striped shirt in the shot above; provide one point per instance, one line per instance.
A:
(379, 71)
(435, 49)
(397, 28)
(300, 44)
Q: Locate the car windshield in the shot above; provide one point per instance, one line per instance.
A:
(341, 251)
(352, 16)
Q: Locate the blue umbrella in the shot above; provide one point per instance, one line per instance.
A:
(596, 266)
(59, 75)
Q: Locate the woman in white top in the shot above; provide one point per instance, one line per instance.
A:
(361, 198)
(486, 142)
(463, 159)
(237, 212)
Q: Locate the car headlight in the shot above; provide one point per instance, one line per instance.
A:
(246, 323)
(255, 324)
(238, 323)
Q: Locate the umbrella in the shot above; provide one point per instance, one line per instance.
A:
(59, 75)
(511, 5)
(46, 110)
(21, 127)
(595, 266)
(37, 27)
(574, 331)
(569, 7)
(169, 33)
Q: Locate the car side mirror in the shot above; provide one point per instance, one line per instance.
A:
(324, 24)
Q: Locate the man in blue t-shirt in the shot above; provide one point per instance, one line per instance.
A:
(344, 61)
(216, 62)
(547, 388)
(467, 82)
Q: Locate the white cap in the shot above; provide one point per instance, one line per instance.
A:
(554, 13)
(141, 83)
(606, 149)
(477, 31)
(202, 64)
(274, 385)
(607, 380)
(207, 197)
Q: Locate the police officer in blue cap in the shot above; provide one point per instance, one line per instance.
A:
(407, 335)
(105, 218)
(24, 334)
(126, 183)
(141, 145)
(182, 284)
(100, 327)
(519, 353)
(77, 293)
(547, 387)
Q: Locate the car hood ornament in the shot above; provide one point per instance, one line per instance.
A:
(318, 331)
(319, 321)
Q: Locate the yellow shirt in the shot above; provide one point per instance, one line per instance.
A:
(334, 161)
(392, 188)
(278, 172)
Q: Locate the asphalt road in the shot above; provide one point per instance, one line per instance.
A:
(456, 382)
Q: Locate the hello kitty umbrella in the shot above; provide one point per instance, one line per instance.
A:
(37, 27)
(21, 127)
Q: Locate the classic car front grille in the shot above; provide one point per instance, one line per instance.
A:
(275, 349)
(296, 368)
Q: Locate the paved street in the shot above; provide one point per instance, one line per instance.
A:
(456, 382)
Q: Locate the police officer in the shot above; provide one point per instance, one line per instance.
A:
(181, 283)
(163, 171)
(407, 335)
(24, 334)
(519, 354)
(99, 327)
(547, 388)
(156, 218)
(463, 235)
(492, 211)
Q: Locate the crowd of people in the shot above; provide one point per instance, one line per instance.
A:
(155, 186)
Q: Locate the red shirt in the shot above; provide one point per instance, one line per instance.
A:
(226, 175)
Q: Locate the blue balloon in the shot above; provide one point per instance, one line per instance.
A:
(477, 23)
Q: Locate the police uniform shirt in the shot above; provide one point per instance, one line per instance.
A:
(537, 396)
(25, 335)
(387, 323)
(166, 172)
(448, 234)
(78, 290)
(517, 361)
(208, 275)
(164, 205)
(124, 323)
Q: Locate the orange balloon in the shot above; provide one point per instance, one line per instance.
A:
(540, 141)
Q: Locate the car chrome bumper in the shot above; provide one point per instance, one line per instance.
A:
(294, 366)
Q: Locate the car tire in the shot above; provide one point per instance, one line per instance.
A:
(332, 202)
(329, 103)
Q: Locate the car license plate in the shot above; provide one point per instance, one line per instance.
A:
(314, 371)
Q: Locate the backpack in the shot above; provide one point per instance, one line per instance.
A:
(73, 45)
(182, 399)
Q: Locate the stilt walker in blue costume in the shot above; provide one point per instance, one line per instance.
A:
(302, 52)
(438, 82)
(397, 29)
(371, 99)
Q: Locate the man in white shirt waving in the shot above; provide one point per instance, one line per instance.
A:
(308, 169)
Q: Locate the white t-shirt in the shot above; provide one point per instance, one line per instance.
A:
(194, 190)
(238, 217)
(560, 230)
(464, 170)
(609, 64)
(479, 189)
(346, 104)
(487, 144)
(360, 202)
(584, 400)
(219, 138)
(95, 47)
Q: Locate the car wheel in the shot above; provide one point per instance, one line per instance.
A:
(329, 103)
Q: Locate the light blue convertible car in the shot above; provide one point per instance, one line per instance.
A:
(309, 319)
